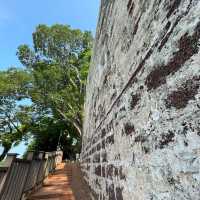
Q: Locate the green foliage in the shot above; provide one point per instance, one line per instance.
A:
(59, 64)
(54, 80)
(49, 134)
(13, 88)
(14, 83)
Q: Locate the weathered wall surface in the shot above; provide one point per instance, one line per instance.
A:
(142, 124)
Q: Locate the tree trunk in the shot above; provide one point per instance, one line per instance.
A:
(78, 128)
(74, 123)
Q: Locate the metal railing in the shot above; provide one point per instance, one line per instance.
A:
(20, 177)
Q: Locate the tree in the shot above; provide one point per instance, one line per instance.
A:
(49, 134)
(54, 80)
(59, 62)
(13, 88)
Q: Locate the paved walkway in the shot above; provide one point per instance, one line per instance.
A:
(65, 184)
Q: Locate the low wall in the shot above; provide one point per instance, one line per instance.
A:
(20, 177)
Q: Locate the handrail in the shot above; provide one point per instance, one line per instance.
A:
(20, 177)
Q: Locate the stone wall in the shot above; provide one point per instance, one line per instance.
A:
(142, 112)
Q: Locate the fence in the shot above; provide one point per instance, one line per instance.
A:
(20, 177)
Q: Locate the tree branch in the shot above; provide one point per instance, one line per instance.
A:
(73, 122)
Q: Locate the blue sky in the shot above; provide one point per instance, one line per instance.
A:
(18, 19)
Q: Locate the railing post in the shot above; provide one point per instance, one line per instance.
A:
(47, 157)
(41, 155)
(29, 157)
(8, 164)
(54, 161)
(50, 161)
(9, 159)
(40, 171)
(59, 155)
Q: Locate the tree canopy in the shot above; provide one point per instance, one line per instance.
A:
(54, 79)
(13, 88)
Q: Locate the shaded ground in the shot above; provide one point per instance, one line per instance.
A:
(65, 184)
(79, 187)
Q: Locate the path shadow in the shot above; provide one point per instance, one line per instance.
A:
(79, 187)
